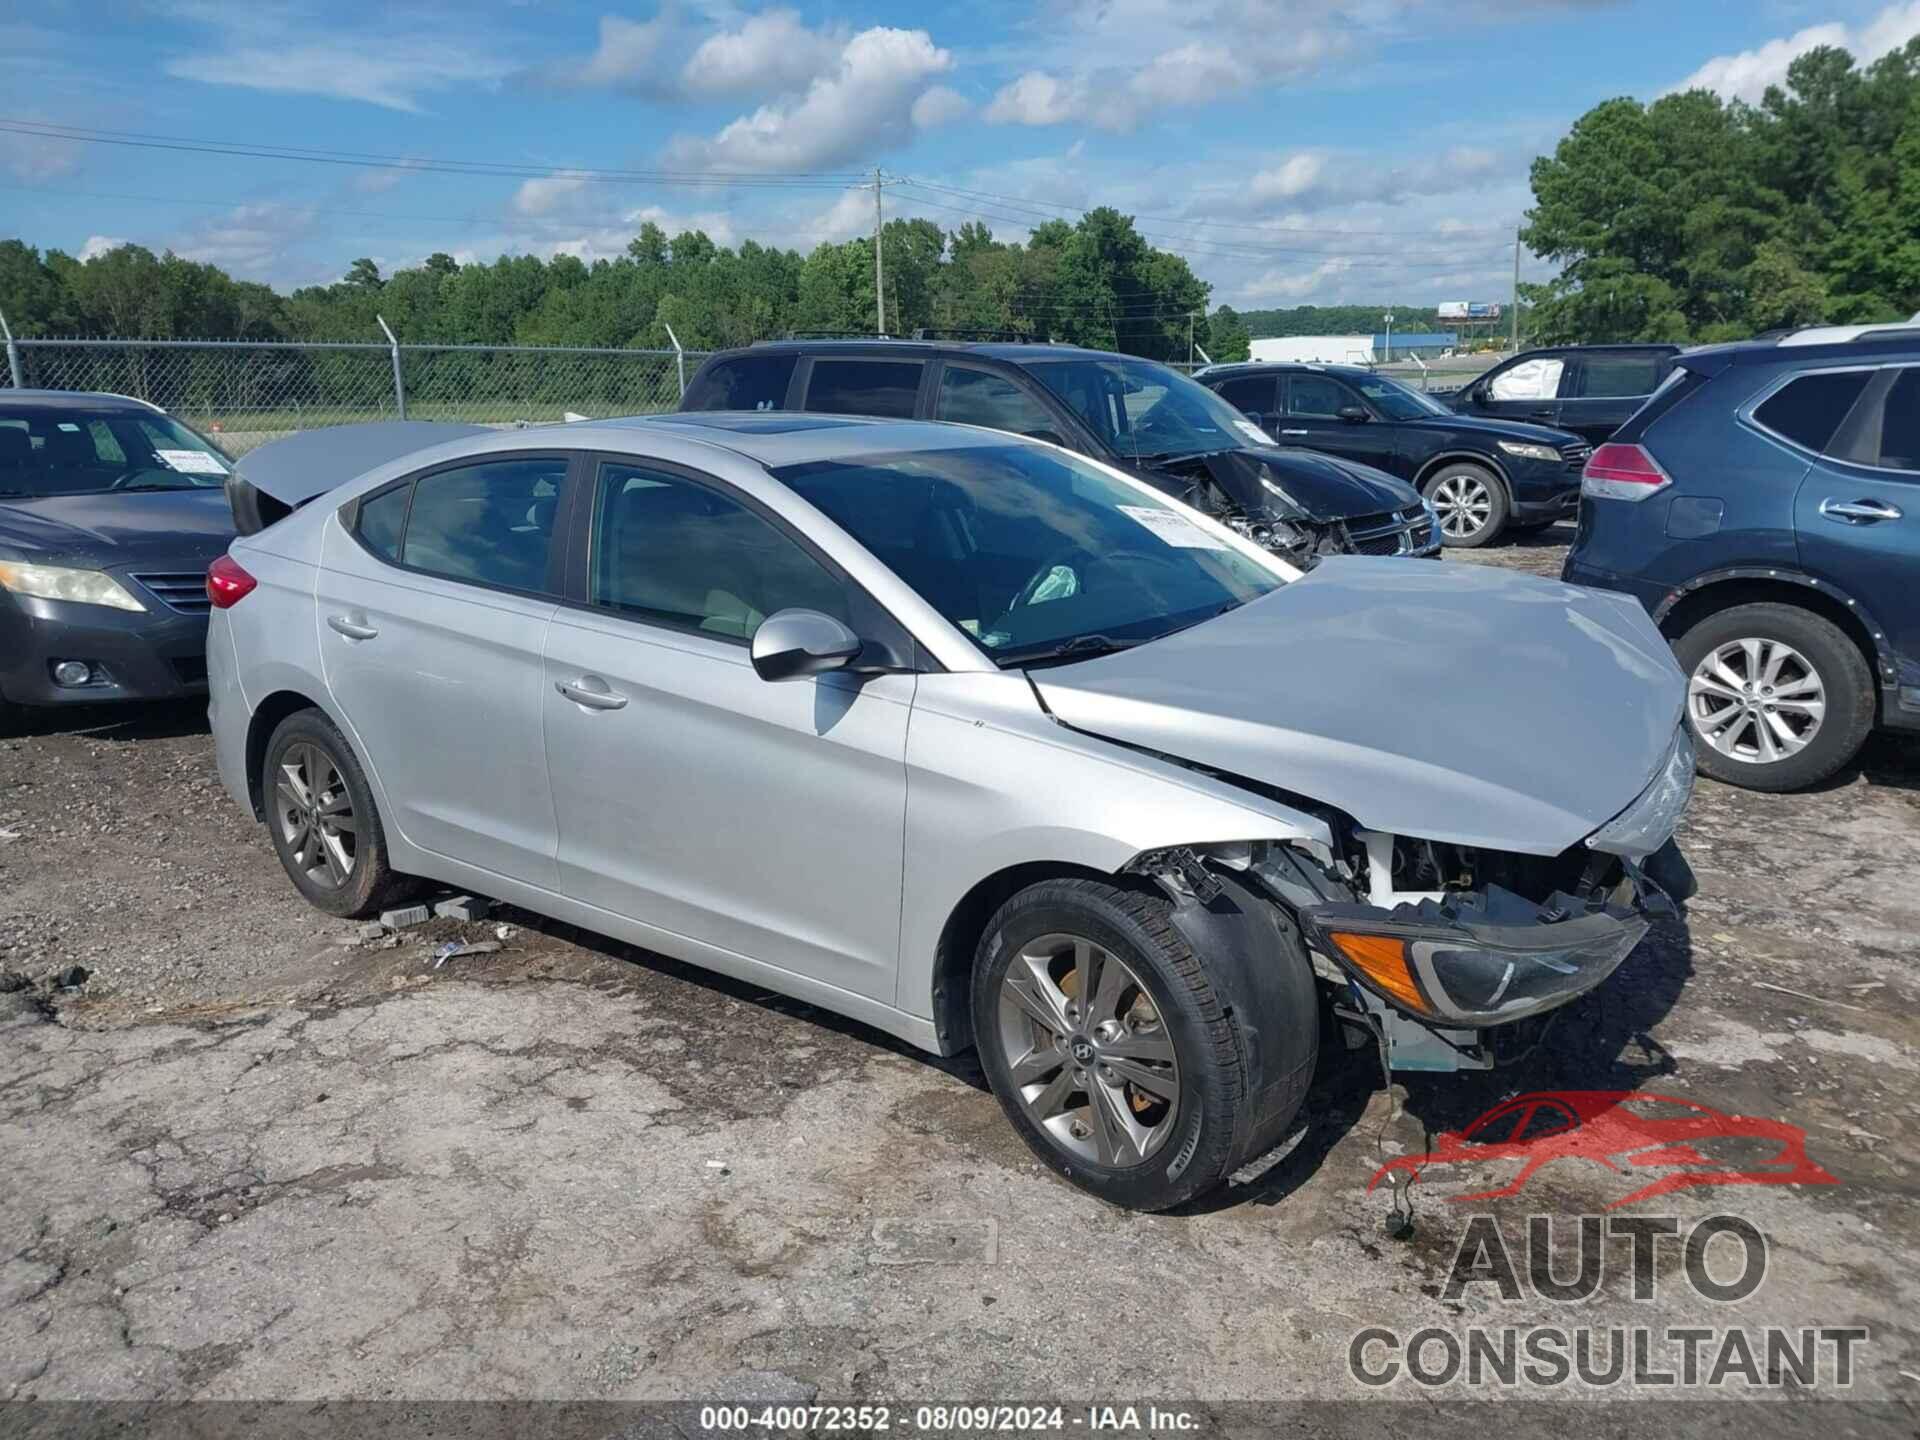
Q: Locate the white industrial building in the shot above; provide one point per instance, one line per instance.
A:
(1315, 349)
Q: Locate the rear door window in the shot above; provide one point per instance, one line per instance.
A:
(979, 397)
(1809, 408)
(1249, 394)
(382, 518)
(887, 388)
(750, 382)
(1611, 377)
(490, 523)
(1900, 424)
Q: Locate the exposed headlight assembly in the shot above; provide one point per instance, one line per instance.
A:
(1520, 450)
(76, 587)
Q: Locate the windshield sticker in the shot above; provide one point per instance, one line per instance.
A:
(1173, 528)
(191, 462)
(69, 427)
(1253, 432)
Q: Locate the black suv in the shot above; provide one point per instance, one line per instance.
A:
(1588, 389)
(1765, 508)
(1482, 476)
(1134, 414)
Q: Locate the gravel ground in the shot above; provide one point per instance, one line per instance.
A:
(252, 1158)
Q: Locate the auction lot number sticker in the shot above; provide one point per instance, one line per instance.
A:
(972, 1419)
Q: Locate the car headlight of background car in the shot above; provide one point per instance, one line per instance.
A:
(1521, 450)
(76, 587)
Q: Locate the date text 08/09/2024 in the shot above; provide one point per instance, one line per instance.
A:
(935, 1419)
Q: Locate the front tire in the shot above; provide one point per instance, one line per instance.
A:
(1472, 504)
(323, 822)
(1778, 697)
(1109, 1049)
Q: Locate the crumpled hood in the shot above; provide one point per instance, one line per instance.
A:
(152, 527)
(1324, 486)
(1449, 702)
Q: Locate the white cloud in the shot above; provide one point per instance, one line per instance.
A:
(1035, 98)
(766, 54)
(98, 245)
(939, 106)
(1296, 284)
(608, 241)
(250, 241)
(864, 105)
(390, 63)
(37, 158)
(627, 57)
(537, 197)
(1746, 75)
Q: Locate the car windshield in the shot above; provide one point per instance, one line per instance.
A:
(48, 450)
(1144, 411)
(1396, 401)
(1039, 556)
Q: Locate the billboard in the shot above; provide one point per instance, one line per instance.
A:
(1468, 310)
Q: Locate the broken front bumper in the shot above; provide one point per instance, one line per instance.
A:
(1462, 965)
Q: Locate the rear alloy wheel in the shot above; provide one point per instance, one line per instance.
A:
(1471, 502)
(1110, 1048)
(321, 817)
(1777, 696)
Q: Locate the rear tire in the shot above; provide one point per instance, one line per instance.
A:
(1809, 708)
(1137, 1094)
(1472, 504)
(323, 822)
(13, 719)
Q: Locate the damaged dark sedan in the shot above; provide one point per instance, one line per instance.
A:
(970, 738)
(1141, 416)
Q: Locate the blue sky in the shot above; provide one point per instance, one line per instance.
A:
(1297, 151)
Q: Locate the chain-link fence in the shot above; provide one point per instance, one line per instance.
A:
(244, 394)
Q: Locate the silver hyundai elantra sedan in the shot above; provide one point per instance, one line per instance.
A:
(964, 736)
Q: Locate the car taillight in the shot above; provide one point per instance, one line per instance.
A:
(1623, 472)
(227, 583)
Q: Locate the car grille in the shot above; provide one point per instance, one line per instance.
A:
(1576, 457)
(1396, 534)
(185, 592)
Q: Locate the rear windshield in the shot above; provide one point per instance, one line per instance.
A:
(59, 450)
(748, 382)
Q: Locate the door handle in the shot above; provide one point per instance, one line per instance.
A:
(1543, 414)
(353, 629)
(1858, 512)
(590, 691)
(1296, 432)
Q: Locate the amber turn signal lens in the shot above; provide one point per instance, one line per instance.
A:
(1383, 960)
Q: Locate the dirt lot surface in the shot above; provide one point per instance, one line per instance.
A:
(252, 1158)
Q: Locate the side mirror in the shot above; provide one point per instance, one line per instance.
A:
(792, 644)
(1355, 414)
(1480, 394)
(1050, 436)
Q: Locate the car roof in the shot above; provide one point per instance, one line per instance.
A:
(1017, 351)
(773, 438)
(1889, 342)
(1350, 372)
(74, 400)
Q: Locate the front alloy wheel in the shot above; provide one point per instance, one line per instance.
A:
(1088, 1051)
(1757, 701)
(1471, 503)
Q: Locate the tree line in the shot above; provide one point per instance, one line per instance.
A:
(1701, 219)
(1096, 282)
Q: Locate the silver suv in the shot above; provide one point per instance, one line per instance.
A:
(972, 739)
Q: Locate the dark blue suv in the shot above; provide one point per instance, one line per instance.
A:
(1764, 505)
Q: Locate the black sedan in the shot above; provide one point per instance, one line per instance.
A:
(1484, 477)
(110, 511)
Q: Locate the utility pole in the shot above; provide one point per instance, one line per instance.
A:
(1516, 292)
(879, 266)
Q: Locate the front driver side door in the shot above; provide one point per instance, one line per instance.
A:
(1313, 419)
(762, 818)
(1527, 390)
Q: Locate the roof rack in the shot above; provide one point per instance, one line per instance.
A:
(998, 337)
(1847, 334)
(834, 335)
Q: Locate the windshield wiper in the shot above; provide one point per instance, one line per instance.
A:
(1080, 647)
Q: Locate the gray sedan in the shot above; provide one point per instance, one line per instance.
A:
(975, 740)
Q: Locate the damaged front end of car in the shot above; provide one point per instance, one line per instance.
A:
(1447, 956)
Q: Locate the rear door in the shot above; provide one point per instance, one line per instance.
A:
(1255, 396)
(763, 818)
(864, 385)
(434, 597)
(1600, 389)
(974, 395)
(1857, 515)
(1312, 418)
